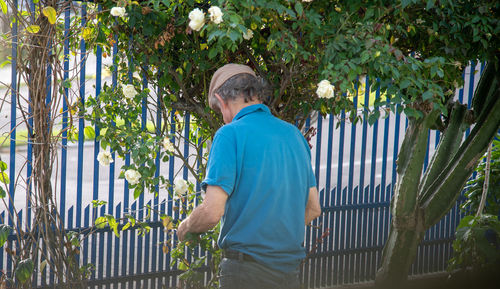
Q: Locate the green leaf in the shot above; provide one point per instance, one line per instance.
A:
(66, 83)
(4, 7)
(126, 226)
(113, 224)
(4, 234)
(183, 266)
(212, 52)
(137, 192)
(3, 166)
(101, 222)
(299, 8)
(50, 13)
(233, 35)
(89, 132)
(5, 63)
(3, 193)
(34, 29)
(430, 4)
(24, 270)
(4, 178)
(405, 84)
(427, 95)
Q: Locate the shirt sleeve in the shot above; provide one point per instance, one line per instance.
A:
(221, 166)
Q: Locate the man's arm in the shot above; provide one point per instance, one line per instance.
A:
(313, 208)
(205, 216)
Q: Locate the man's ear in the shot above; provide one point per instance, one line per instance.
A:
(222, 103)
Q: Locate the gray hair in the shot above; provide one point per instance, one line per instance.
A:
(241, 85)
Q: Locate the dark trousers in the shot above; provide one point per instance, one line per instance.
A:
(243, 274)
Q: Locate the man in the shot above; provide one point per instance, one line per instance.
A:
(260, 182)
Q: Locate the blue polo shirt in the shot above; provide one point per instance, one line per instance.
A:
(264, 165)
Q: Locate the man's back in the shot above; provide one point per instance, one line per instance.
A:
(263, 164)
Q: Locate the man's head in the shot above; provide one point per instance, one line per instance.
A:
(234, 82)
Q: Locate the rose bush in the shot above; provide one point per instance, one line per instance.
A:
(414, 52)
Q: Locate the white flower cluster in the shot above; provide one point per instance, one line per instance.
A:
(105, 158)
(129, 91)
(197, 17)
(118, 12)
(215, 14)
(325, 89)
(248, 35)
(132, 176)
(167, 145)
(180, 187)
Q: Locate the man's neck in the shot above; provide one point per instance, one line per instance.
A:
(238, 104)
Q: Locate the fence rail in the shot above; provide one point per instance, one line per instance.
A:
(354, 167)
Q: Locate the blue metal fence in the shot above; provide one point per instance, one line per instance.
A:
(354, 167)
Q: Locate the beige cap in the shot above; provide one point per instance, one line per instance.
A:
(224, 73)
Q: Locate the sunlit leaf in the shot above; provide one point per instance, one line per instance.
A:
(3, 166)
(50, 13)
(126, 226)
(101, 222)
(184, 265)
(167, 223)
(4, 178)
(43, 264)
(89, 132)
(3, 6)
(34, 29)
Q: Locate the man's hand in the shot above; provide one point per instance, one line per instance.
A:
(205, 216)
(182, 230)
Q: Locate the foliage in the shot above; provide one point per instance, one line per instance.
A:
(477, 244)
(413, 51)
(474, 188)
(38, 39)
(198, 253)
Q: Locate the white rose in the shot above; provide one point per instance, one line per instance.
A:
(325, 89)
(197, 18)
(132, 176)
(105, 158)
(129, 91)
(248, 35)
(180, 186)
(307, 0)
(118, 12)
(215, 14)
(167, 145)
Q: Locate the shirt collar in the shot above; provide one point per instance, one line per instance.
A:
(251, 109)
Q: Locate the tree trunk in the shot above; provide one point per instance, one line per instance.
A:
(406, 230)
(419, 202)
(397, 257)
